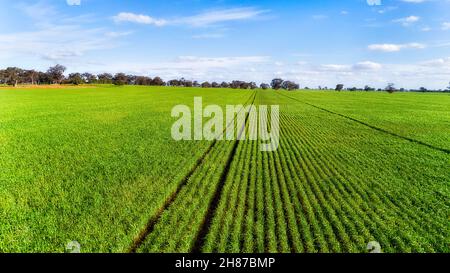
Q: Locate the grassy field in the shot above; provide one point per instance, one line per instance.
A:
(98, 165)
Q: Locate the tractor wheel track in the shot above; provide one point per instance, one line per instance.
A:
(139, 240)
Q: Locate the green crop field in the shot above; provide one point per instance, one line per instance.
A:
(98, 165)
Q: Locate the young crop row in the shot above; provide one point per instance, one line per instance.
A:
(418, 116)
(312, 195)
(179, 228)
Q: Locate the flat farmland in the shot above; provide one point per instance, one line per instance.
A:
(98, 165)
(90, 164)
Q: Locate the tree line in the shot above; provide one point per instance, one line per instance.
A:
(55, 75)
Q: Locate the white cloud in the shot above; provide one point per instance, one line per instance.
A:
(200, 20)
(73, 2)
(114, 34)
(442, 62)
(194, 67)
(432, 74)
(335, 67)
(446, 26)
(55, 38)
(395, 47)
(55, 43)
(73, 43)
(345, 68)
(40, 12)
(367, 65)
(219, 16)
(219, 61)
(139, 19)
(407, 21)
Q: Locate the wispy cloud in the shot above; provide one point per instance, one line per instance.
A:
(346, 68)
(395, 47)
(367, 65)
(431, 74)
(200, 20)
(219, 16)
(193, 67)
(139, 19)
(407, 21)
(442, 62)
(56, 37)
(40, 12)
(56, 43)
(446, 26)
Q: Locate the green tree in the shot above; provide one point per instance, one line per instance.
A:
(277, 84)
(56, 73)
(105, 78)
(157, 81)
(120, 79)
(13, 75)
(390, 88)
(75, 78)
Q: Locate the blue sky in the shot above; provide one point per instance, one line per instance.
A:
(313, 42)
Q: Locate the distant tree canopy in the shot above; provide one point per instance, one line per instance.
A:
(288, 85)
(105, 78)
(276, 84)
(75, 78)
(390, 88)
(206, 85)
(120, 79)
(157, 81)
(55, 75)
(89, 78)
(142, 80)
(13, 75)
(368, 88)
